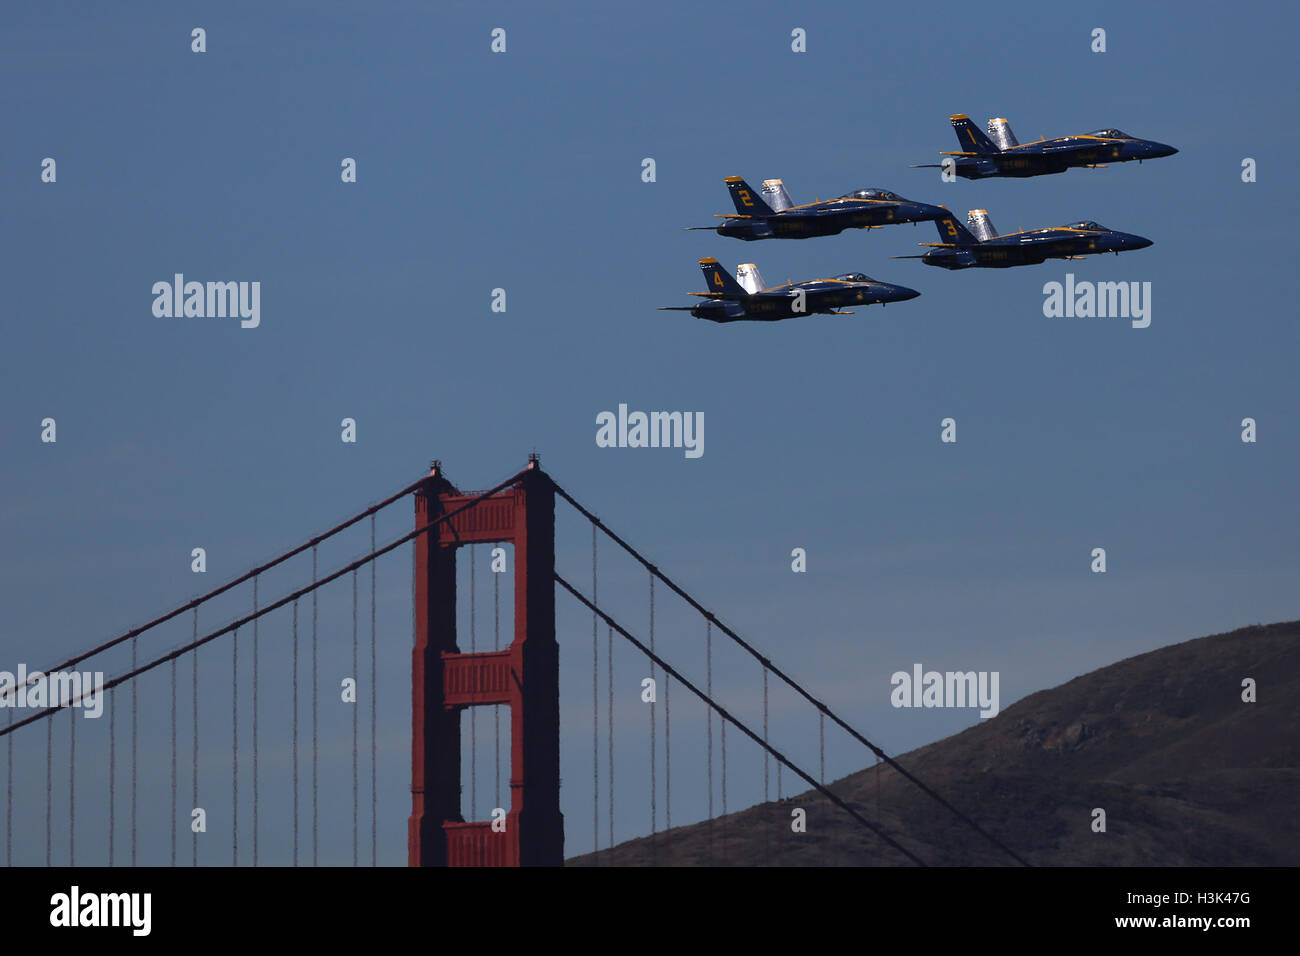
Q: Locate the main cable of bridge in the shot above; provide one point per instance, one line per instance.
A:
(727, 716)
(250, 575)
(789, 681)
(274, 606)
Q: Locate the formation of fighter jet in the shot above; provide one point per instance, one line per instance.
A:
(746, 298)
(1001, 154)
(981, 246)
(772, 215)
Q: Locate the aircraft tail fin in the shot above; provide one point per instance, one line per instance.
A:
(775, 195)
(719, 282)
(970, 137)
(980, 224)
(750, 279)
(1000, 132)
(951, 232)
(747, 202)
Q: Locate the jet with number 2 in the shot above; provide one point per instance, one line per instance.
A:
(982, 246)
(771, 214)
(1001, 154)
(746, 298)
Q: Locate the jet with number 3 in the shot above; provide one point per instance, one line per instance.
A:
(981, 246)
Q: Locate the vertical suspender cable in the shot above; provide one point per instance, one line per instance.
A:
(255, 664)
(175, 822)
(135, 692)
(194, 763)
(294, 729)
(654, 815)
(609, 722)
(315, 803)
(821, 772)
(9, 801)
(49, 786)
(374, 699)
(112, 771)
(234, 748)
(355, 677)
(722, 732)
(767, 811)
(708, 716)
(595, 709)
(72, 787)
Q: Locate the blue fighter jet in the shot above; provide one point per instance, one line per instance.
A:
(981, 246)
(747, 298)
(771, 214)
(1001, 154)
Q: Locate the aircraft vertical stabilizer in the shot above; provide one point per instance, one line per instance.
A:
(748, 276)
(1000, 132)
(775, 195)
(980, 224)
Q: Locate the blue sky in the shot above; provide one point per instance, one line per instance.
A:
(523, 171)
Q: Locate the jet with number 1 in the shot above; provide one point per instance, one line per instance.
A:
(746, 298)
(1003, 155)
(771, 214)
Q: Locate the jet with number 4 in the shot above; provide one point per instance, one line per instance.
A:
(747, 298)
(981, 245)
(771, 214)
(1001, 154)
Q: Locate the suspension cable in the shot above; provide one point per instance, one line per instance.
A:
(255, 741)
(234, 749)
(708, 717)
(374, 703)
(356, 679)
(72, 787)
(315, 685)
(709, 615)
(595, 711)
(294, 729)
(49, 786)
(175, 822)
(369, 512)
(112, 771)
(275, 606)
(134, 751)
(194, 860)
(726, 716)
(654, 816)
(609, 721)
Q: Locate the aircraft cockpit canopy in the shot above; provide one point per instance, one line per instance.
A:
(1088, 224)
(873, 194)
(1111, 134)
(855, 277)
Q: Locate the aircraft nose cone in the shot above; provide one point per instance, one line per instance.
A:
(1139, 242)
(1162, 150)
(901, 293)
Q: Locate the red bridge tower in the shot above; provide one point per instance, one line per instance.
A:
(524, 676)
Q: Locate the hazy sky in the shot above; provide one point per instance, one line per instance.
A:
(522, 171)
